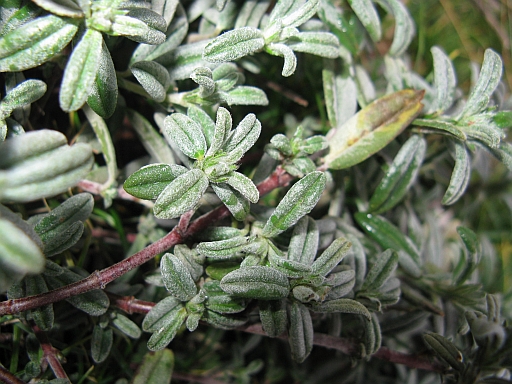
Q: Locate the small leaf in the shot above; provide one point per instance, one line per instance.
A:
(223, 249)
(490, 76)
(460, 175)
(233, 45)
(150, 181)
(156, 368)
(243, 137)
(177, 278)
(205, 121)
(23, 94)
(445, 81)
(304, 241)
(237, 204)
(223, 321)
(331, 257)
(339, 91)
(203, 77)
(103, 95)
(246, 95)
(191, 260)
(256, 282)
(372, 128)
(181, 195)
(290, 60)
(298, 201)
(472, 246)
(245, 186)
(442, 127)
(67, 8)
(445, 349)
(42, 316)
(322, 44)
(273, 316)
(81, 71)
(125, 325)
(381, 271)
(35, 42)
(219, 301)
(343, 306)
(186, 134)
(218, 270)
(400, 175)
(290, 268)
(161, 314)
(153, 77)
(300, 15)
(404, 26)
(389, 236)
(368, 16)
(141, 25)
(223, 126)
(300, 332)
(101, 343)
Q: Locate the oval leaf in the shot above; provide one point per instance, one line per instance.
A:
(186, 134)
(177, 278)
(156, 368)
(256, 282)
(233, 45)
(101, 343)
(153, 77)
(150, 181)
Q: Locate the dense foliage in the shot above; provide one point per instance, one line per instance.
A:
(248, 191)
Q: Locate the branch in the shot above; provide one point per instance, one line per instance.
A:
(99, 279)
(8, 378)
(50, 354)
(345, 345)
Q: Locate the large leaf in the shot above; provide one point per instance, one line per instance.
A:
(372, 128)
(150, 181)
(256, 282)
(156, 368)
(177, 278)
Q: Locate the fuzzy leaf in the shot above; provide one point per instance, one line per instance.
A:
(233, 45)
(153, 77)
(460, 175)
(368, 16)
(400, 175)
(223, 321)
(163, 336)
(442, 127)
(181, 195)
(203, 77)
(161, 314)
(237, 204)
(35, 42)
(372, 128)
(81, 71)
(343, 306)
(300, 332)
(243, 137)
(381, 271)
(273, 316)
(246, 95)
(67, 8)
(445, 81)
(290, 60)
(186, 134)
(404, 26)
(339, 92)
(42, 316)
(141, 25)
(219, 301)
(302, 14)
(490, 76)
(304, 241)
(128, 327)
(103, 95)
(22, 95)
(472, 246)
(298, 201)
(445, 349)
(331, 257)
(256, 282)
(322, 44)
(156, 368)
(101, 343)
(389, 236)
(290, 268)
(245, 186)
(222, 128)
(177, 278)
(150, 181)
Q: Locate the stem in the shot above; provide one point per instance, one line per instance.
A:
(50, 354)
(99, 279)
(8, 378)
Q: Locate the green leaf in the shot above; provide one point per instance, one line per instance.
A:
(186, 134)
(243, 137)
(256, 282)
(443, 127)
(233, 45)
(246, 95)
(343, 306)
(18, 251)
(223, 249)
(400, 175)
(35, 42)
(218, 270)
(163, 336)
(300, 332)
(472, 246)
(381, 271)
(300, 15)
(67, 8)
(223, 321)
(445, 350)
(490, 76)
(141, 25)
(389, 236)
(150, 181)
(205, 121)
(503, 153)
(161, 314)
(156, 368)
(372, 335)
(368, 16)
(219, 301)
(14, 16)
(125, 325)
(181, 195)
(342, 284)
(153, 77)
(273, 316)
(245, 186)
(304, 241)
(290, 268)
(94, 303)
(339, 91)
(331, 257)
(322, 44)
(81, 71)
(191, 260)
(445, 81)
(203, 77)
(23, 94)
(103, 95)
(177, 278)
(42, 316)
(237, 204)
(51, 169)
(290, 60)
(101, 343)
(404, 26)
(460, 175)
(220, 133)
(372, 128)
(298, 201)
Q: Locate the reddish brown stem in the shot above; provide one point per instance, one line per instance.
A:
(8, 378)
(99, 279)
(50, 354)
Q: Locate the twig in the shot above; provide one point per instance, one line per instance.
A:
(99, 279)
(50, 354)
(8, 378)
